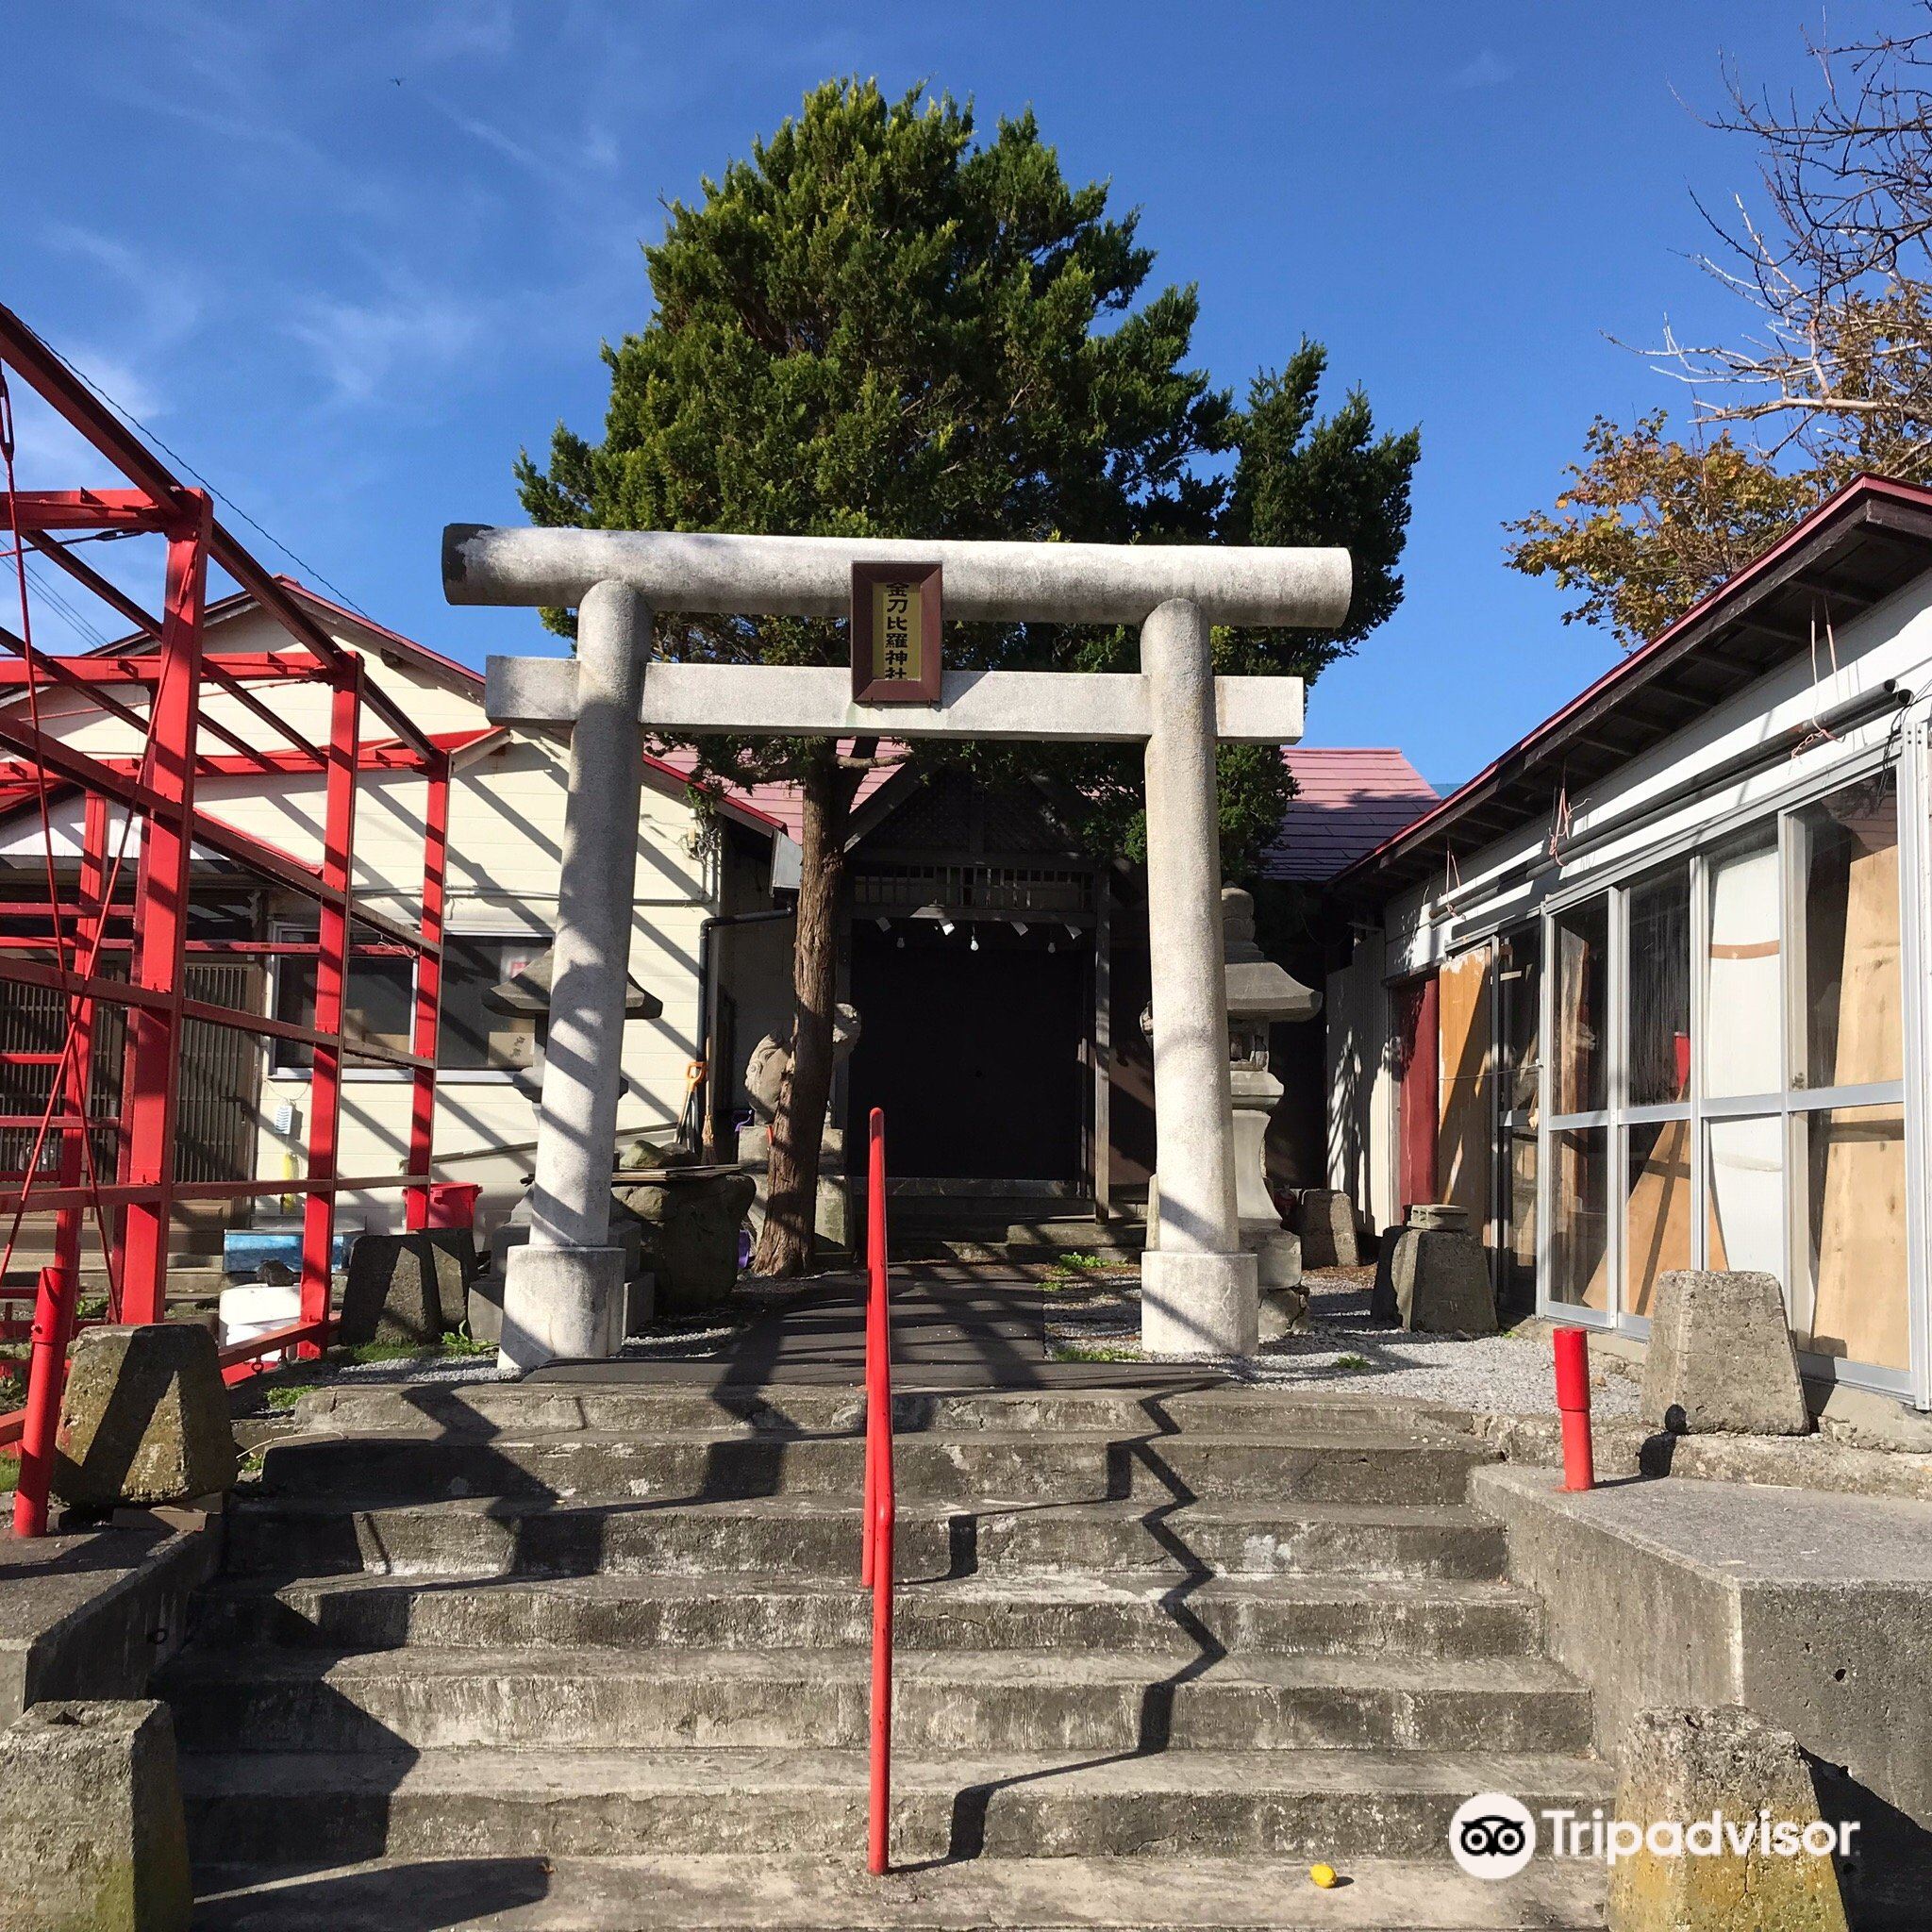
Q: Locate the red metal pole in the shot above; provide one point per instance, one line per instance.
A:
(161, 889)
(46, 1377)
(881, 1510)
(77, 1077)
(1573, 1405)
(331, 972)
(429, 987)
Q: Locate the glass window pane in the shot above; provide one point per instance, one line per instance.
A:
(1582, 945)
(1519, 1260)
(1657, 1210)
(474, 1034)
(1740, 987)
(1745, 1207)
(1660, 989)
(1520, 980)
(1853, 1244)
(377, 1005)
(1850, 1004)
(1579, 1218)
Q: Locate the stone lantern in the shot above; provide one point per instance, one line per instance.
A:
(1260, 993)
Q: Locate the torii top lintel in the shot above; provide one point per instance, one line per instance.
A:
(812, 577)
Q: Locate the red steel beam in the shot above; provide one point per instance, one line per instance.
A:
(64, 392)
(162, 890)
(429, 1017)
(88, 509)
(145, 667)
(331, 980)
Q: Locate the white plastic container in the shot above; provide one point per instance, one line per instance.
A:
(258, 1309)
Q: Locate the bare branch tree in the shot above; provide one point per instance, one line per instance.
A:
(1838, 265)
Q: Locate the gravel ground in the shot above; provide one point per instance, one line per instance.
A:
(1094, 1314)
(1500, 1375)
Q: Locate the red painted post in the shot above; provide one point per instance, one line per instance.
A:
(46, 1378)
(1573, 1405)
(160, 892)
(423, 1039)
(331, 975)
(880, 1504)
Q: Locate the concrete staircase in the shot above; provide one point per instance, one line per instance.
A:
(589, 1657)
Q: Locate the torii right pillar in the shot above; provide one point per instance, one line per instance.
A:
(1199, 1289)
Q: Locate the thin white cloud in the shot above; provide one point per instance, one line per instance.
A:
(1487, 69)
(365, 348)
(169, 303)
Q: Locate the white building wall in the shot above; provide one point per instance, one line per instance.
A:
(1361, 1084)
(506, 809)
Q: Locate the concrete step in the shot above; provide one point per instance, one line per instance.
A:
(1353, 1466)
(555, 1407)
(561, 1700)
(1190, 1619)
(269, 1808)
(811, 1535)
(754, 1894)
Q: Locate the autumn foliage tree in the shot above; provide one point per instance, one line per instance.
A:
(879, 326)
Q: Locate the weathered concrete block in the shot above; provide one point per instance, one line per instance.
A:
(1441, 1284)
(404, 1288)
(91, 1833)
(1720, 1358)
(690, 1223)
(1680, 1766)
(1443, 1216)
(145, 1419)
(1324, 1219)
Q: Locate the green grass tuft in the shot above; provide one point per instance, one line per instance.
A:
(1353, 1361)
(1089, 1352)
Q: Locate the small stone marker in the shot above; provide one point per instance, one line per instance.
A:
(91, 1834)
(145, 1419)
(1324, 1219)
(1432, 1276)
(1679, 1766)
(404, 1288)
(1720, 1358)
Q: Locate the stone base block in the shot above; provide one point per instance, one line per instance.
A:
(689, 1224)
(1199, 1304)
(406, 1286)
(1720, 1358)
(145, 1419)
(91, 1834)
(1324, 1219)
(1435, 1282)
(1679, 1766)
(1277, 1254)
(1282, 1312)
(561, 1305)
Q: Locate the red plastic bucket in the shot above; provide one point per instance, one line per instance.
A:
(453, 1204)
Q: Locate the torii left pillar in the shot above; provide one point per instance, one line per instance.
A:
(563, 1290)
(1198, 1288)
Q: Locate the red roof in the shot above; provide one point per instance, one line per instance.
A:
(1348, 801)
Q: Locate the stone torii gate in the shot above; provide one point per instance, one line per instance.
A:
(563, 1297)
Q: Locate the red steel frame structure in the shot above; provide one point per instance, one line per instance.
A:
(134, 1208)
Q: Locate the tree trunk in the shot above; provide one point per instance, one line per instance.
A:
(791, 1184)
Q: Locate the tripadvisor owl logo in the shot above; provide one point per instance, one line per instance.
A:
(1492, 1835)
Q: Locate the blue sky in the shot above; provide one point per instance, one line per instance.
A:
(345, 259)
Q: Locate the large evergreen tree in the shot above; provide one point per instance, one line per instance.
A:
(876, 326)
